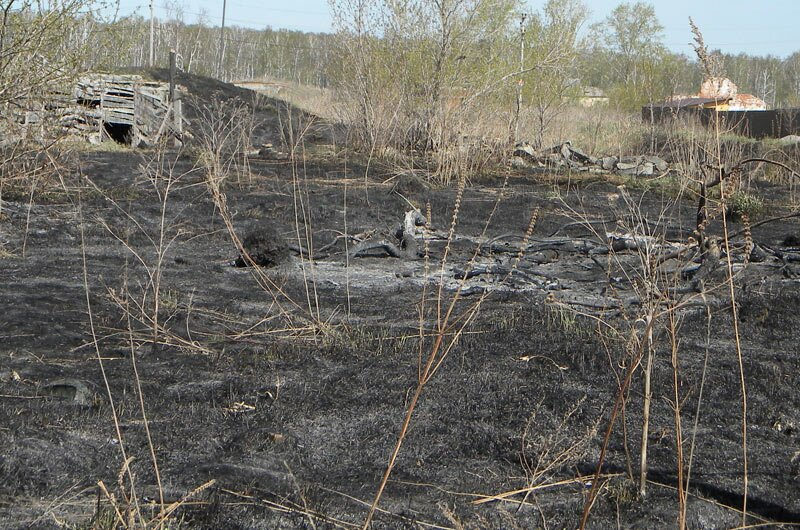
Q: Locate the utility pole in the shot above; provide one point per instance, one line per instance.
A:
(172, 68)
(152, 31)
(520, 82)
(222, 40)
(175, 105)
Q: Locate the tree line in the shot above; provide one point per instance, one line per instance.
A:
(624, 52)
(410, 68)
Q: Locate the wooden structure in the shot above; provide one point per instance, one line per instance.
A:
(131, 109)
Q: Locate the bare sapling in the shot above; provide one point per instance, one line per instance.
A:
(160, 172)
(658, 296)
(131, 505)
(673, 327)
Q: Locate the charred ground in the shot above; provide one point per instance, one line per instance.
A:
(296, 431)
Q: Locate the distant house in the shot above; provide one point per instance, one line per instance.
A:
(719, 97)
(591, 96)
(585, 96)
(718, 93)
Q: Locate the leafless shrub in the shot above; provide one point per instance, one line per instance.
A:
(225, 138)
(421, 77)
(548, 446)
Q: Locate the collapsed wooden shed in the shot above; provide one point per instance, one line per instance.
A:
(131, 110)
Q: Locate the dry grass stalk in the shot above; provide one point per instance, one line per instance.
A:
(552, 447)
(166, 511)
(302, 206)
(505, 496)
(672, 329)
(712, 64)
(125, 458)
(737, 337)
(449, 322)
(292, 508)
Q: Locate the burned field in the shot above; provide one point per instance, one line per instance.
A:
(274, 394)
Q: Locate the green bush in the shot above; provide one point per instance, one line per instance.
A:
(744, 203)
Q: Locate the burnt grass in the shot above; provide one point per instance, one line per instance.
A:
(296, 427)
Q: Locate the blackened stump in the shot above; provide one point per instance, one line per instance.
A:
(265, 246)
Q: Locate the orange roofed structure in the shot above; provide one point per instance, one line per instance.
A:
(718, 93)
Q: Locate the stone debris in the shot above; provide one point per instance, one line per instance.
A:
(566, 157)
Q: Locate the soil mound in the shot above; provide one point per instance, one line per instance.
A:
(270, 116)
(205, 90)
(266, 247)
(205, 87)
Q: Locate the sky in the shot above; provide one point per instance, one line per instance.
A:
(756, 27)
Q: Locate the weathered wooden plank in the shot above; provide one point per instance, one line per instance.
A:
(119, 97)
(119, 120)
(119, 102)
(110, 114)
(148, 115)
(154, 100)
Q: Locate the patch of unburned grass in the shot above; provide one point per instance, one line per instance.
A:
(43, 194)
(117, 193)
(564, 319)
(671, 185)
(315, 100)
(80, 145)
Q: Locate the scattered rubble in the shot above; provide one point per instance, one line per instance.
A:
(565, 156)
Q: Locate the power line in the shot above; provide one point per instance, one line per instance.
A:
(177, 10)
(261, 7)
(169, 10)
